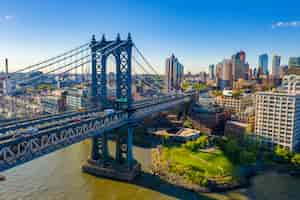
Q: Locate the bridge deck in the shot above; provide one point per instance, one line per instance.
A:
(65, 132)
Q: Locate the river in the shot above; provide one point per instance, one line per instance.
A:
(58, 176)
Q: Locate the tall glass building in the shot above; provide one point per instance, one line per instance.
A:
(174, 73)
(238, 65)
(263, 63)
(211, 71)
(226, 74)
(276, 66)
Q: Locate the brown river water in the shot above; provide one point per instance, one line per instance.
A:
(58, 176)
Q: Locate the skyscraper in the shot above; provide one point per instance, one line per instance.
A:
(226, 74)
(238, 65)
(276, 66)
(211, 71)
(247, 71)
(218, 73)
(294, 62)
(263, 63)
(174, 73)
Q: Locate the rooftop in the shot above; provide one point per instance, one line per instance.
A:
(238, 123)
(279, 93)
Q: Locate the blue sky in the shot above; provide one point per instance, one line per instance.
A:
(198, 32)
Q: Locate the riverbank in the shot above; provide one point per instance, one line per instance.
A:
(199, 171)
(208, 172)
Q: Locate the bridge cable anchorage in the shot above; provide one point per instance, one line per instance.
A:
(53, 58)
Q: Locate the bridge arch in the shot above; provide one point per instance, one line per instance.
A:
(102, 50)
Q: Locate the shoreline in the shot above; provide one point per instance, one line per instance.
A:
(244, 183)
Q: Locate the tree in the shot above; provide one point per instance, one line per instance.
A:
(165, 139)
(200, 143)
(185, 86)
(251, 144)
(216, 93)
(199, 86)
(188, 124)
(247, 157)
(191, 145)
(44, 87)
(296, 160)
(282, 154)
(236, 93)
(232, 150)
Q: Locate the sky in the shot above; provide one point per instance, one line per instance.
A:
(198, 32)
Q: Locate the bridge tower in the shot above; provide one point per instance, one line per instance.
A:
(122, 51)
(123, 167)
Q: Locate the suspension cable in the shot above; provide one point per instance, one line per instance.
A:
(146, 82)
(142, 67)
(53, 58)
(55, 62)
(74, 62)
(145, 60)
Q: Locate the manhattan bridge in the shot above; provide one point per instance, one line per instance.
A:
(61, 130)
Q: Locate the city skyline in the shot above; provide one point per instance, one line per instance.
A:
(127, 99)
(200, 29)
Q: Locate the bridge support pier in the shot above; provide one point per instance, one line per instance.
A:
(123, 167)
(99, 148)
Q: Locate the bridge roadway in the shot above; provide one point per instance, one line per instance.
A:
(11, 126)
(53, 119)
(15, 151)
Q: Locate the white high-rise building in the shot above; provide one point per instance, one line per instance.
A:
(277, 118)
(174, 73)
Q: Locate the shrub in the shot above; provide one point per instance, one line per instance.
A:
(200, 143)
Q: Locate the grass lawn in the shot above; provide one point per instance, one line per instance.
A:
(213, 165)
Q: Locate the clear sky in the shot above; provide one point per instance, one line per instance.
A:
(197, 32)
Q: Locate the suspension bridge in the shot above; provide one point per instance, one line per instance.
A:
(56, 131)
